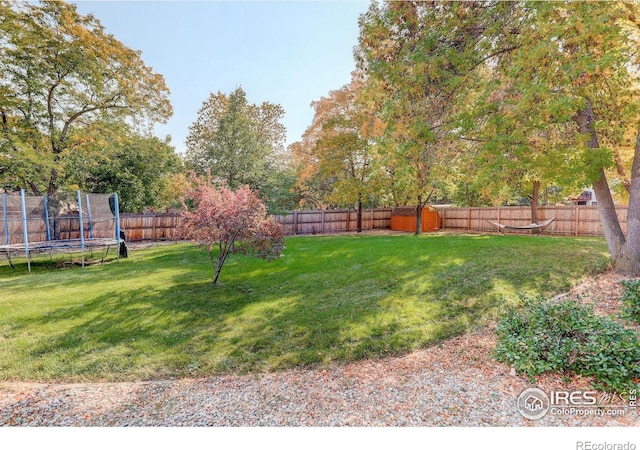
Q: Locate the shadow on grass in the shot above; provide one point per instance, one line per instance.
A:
(327, 300)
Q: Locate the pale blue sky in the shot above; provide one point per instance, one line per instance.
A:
(285, 52)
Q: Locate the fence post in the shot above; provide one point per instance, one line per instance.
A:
(322, 226)
(154, 226)
(469, 220)
(576, 221)
(295, 223)
(6, 218)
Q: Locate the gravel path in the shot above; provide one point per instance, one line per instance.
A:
(455, 383)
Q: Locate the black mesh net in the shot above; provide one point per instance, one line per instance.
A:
(67, 216)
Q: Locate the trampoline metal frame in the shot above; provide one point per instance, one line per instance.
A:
(81, 243)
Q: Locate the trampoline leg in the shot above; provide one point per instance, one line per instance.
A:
(10, 262)
(104, 254)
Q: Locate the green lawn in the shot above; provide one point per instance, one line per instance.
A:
(328, 299)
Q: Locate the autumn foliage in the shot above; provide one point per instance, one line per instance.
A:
(225, 221)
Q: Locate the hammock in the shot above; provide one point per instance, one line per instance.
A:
(533, 226)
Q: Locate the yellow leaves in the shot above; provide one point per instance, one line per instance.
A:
(334, 154)
(373, 128)
(175, 189)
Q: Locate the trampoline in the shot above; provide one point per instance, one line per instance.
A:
(65, 222)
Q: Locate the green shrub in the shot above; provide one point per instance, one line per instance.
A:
(567, 337)
(631, 300)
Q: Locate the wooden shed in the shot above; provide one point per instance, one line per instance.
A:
(404, 219)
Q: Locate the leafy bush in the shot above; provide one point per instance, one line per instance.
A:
(567, 337)
(631, 299)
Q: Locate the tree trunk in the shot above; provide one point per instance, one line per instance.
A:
(218, 270)
(224, 251)
(419, 208)
(53, 182)
(535, 198)
(608, 217)
(628, 261)
(34, 188)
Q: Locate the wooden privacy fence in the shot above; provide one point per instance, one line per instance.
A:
(150, 227)
(569, 220)
(158, 227)
(333, 221)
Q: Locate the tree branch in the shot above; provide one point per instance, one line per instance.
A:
(54, 146)
(85, 110)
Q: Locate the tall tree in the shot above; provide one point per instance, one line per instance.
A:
(576, 64)
(237, 142)
(112, 157)
(336, 152)
(415, 56)
(60, 70)
(514, 151)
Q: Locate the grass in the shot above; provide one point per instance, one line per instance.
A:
(329, 299)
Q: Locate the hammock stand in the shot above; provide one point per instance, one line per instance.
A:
(534, 226)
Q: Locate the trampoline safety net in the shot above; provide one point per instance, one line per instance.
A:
(66, 221)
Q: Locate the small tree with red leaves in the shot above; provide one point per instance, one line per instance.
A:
(231, 222)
